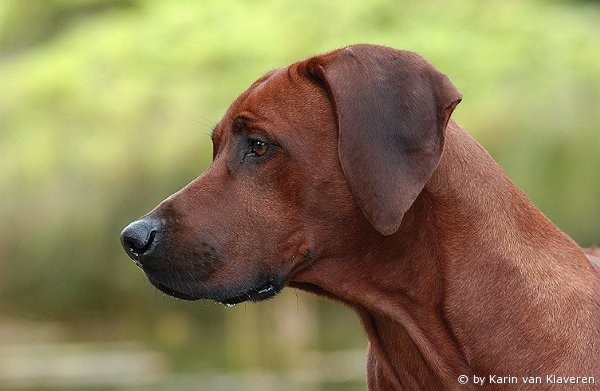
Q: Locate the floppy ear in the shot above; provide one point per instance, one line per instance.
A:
(392, 108)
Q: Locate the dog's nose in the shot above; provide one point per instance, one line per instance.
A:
(138, 237)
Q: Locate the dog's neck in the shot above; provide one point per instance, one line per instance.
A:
(441, 297)
(395, 284)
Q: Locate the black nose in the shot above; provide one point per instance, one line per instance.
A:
(137, 238)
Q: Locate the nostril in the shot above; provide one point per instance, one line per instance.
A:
(138, 246)
(146, 247)
(138, 237)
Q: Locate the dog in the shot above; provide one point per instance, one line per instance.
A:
(343, 175)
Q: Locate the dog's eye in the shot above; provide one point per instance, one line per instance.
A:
(259, 148)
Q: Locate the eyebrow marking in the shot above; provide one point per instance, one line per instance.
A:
(238, 124)
(244, 122)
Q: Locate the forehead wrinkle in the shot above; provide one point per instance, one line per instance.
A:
(242, 106)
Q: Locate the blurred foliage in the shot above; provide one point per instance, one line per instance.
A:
(27, 23)
(106, 107)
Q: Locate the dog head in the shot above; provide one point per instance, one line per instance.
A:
(306, 162)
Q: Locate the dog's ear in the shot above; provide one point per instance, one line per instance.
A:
(392, 108)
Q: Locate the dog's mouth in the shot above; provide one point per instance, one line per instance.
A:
(264, 292)
(261, 291)
(171, 291)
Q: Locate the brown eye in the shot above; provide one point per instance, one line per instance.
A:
(259, 148)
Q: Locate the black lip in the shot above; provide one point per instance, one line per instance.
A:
(170, 291)
(265, 292)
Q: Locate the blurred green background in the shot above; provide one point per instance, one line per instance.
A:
(106, 109)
